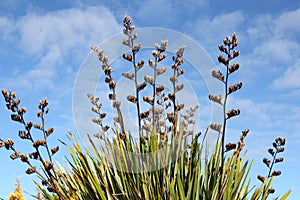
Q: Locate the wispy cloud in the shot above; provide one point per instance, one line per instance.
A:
(289, 79)
(52, 39)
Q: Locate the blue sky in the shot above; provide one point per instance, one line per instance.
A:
(43, 44)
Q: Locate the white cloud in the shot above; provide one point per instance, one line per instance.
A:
(211, 31)
(289, 79)
(52, 38)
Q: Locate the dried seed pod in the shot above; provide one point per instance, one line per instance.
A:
(218, 75)
(267, 161)
(24, 158)
(179, 107)
(148, 99)
(140, 64)
(34, 155)
(233, 113)
(8, 143)
(54, 150)
(16, 118)
(132, 99)
(271, 151)
(234, 67)
(112, 84)
(105, 128)
(37, 126)
(180, 72)
(126, 42)
(23, 135)
(280, 149)
(29, 125)
(179, 87)
(149, 79)
(145, 114)
(48, 165)
(141, 86)
(236, 53)
(161, 57)
(14, 155)
(235, 87)
(276, 173)
(172, 97)
(116, 103)
(22, 110)
(223, 60)
(226, 41)
(155, 53)
(108, 79)
(97, 50)
(112, 96)
(30, 170)
(128, 75)
(230, 146)
(49, 131)
(136, 48)
(170, 117)
(39, 142)
(161, 70)
(45, 182)
(245, 132)
(173, 79)
(217, 99)
(180, 51)
(50, 189)
(151, 63)
(280, 140)
(159, 89)
(261, 178)
(216, 127)
(127, 57)
(271, 190)
(222, 48)
(278, 160)
(117, 119)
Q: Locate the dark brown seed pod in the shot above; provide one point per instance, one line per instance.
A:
(49, 131)
(54, 150)
(48, 165)
(145, 114)
(24, 158)
(141, 86)
(267, 162)
(276, 173)
(271, 190)
(278, 160)
(234, 67)
(34, 155)
(105, 128)
(127, 57)
(261, 178)
(31, 170)
(230, 146)
(148, 99)
(233, 113)
(14, 155)
(159, 89)
(39, 142)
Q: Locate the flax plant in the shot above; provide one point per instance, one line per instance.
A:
(157, 166)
